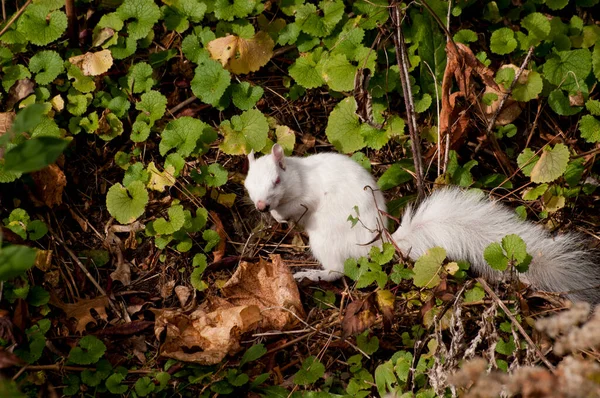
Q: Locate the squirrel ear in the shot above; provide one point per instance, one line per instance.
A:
(251, 157)
(278, 156)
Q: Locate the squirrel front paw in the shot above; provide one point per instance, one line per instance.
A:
(318, 275)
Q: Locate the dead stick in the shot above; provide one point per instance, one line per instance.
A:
(14, 18)
(402, 59)
(514, 321)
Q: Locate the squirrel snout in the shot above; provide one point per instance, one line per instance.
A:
(262, 206)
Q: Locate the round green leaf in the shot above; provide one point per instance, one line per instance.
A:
(127, 204)
(47, 65)
(343, 127)
(89, 350)
(552, 164)
(503, 41)
(427, 268)
(589, 127)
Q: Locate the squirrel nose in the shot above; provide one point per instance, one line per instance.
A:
(262, 206)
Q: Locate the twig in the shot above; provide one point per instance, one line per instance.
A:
(177, 107)
(85, 270)
(402, 59)
(514, 321)
(14, 18)
(72, 27)
(507, 94)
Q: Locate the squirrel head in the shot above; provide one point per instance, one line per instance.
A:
(265, 182)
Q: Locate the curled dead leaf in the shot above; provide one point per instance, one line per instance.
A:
(271, 287)
(81, 310)
(50, 183)
(360, 315)
(93, 63)
(241, 56)
(208, 334)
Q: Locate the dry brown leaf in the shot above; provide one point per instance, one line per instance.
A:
(81, 310)
(22, 89)
(240, 55)
(360, 315)
(43, 260)
(50, 183)
(219, 252)
(271, 287)
(8, 359)
(93, 64)
(183, 293)
(6, 121)
(511, 110)
(208, 334)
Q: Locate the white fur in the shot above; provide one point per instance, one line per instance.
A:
(465, 223)
(319, 192)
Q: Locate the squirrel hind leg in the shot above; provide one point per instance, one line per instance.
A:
(318, 275)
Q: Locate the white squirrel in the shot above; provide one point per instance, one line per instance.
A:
(320, 192)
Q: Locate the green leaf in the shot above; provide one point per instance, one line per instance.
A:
(153, 106)
(343, 127)
(78, 103)
(589, 127)
(423, 104)
(494, 256)
(15, 260)
(140, 131)
(310, 22)
(144, 386)
(216, 175)
(47, 65)
(36, 229)
(503, 41)
(304, 72)
(253, 353)
(372, 13)
(196, 280)
(227, 10)
(506, 348)
(245, 96)
(180, 12)
(82, 83)
(139, 78)
(396, 174)
(568, 69)
(136, 172)
(311, 371)
(385, 378)
(114, 385)
(34, 154)
(515, 248)
(505, 77)
(556, 4)
(369, 346)
(212, 239)
(289, 34)
(593, 106)
(28, 119)
(527, 160)
(428, 267)
(383, 256)
(475, 294)
(127, 204)
(210, 81)
(13, 73)
(534, 193)
(526, 91)
(140, 15)
(560, 104)
(596, 61)
(183, 134)
(338, 73)
(538, 28)
(175, 223)
(246, 132)
(552, 164)
(40, 25)
(465, 36)
(89, 350)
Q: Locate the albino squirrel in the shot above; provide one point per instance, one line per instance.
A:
(320, 191)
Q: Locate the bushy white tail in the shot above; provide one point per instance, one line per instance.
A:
(465, 223)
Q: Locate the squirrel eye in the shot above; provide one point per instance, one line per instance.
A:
(277, 181)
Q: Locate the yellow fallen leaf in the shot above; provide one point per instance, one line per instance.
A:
(93, 64)
(160, 179)
(240, 55)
